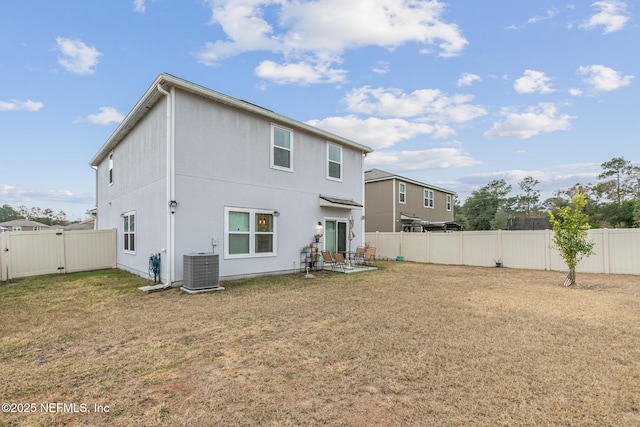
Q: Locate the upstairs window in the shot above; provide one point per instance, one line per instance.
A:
(110, 168)
(428, 198)
(129, 227)
(281, 148)
(334, 162)
(402, 193)
(449, 202)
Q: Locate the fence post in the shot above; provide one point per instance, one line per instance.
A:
(3, 255)
(62, 252)
(605, 250)
(547, 249)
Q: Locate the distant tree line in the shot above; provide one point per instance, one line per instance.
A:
(43, 216)
(614, 202)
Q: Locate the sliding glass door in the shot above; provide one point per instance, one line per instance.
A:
(335, 239)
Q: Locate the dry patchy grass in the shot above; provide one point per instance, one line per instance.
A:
(411, 344)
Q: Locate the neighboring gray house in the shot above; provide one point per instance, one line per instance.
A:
(192, 170)
(394, 203)
(23, 225)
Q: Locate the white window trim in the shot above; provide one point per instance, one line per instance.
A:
(449, 203)
(273, 146)
(252, 233)
(402, 193)
(429, 195)
(124, 232)
(332, 178)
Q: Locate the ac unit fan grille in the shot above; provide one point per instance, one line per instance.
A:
(201, 271)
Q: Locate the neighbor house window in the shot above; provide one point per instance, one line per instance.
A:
(402, 193)
(428, 198)
(334, 162)
(250, 232)
(110, 168)
(448, 202)
(16, 228)
(129, 227)
(281, 148)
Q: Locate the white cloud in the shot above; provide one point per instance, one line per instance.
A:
(319, 32)
(16, 105)
(575, 91)
(543, 118)
(139, 6)
(467, 79)
(613, 16)
(427, 104)
(20, 195)
(435, 158)
(381, 67)
(374, 132)
(533, 82)
(604, 79)
(106, 116)
(301, 73)
(534, 20)
(77, 57)
(550, 14)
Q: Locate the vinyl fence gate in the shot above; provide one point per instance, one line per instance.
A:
(33, 253)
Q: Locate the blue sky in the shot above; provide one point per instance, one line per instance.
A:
(454, 94)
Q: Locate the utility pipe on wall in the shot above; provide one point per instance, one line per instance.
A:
(170, 188)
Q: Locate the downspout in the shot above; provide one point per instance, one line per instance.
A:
(170, 188)
(363, 220)
(95, 219)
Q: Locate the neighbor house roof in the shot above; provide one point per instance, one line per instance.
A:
(166, 81)
(22, 223)
(374, 175)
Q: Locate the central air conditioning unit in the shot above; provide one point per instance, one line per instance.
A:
(201, 271)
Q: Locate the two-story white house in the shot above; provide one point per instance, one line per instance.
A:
(192, 170)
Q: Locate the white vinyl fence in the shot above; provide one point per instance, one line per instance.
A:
(617, 251)
(32, 253)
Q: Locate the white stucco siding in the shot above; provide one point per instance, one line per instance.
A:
(223, 160)
(201, 217)
(216, 142)
(138, 186)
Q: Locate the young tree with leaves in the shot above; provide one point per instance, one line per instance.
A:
(570, 226)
